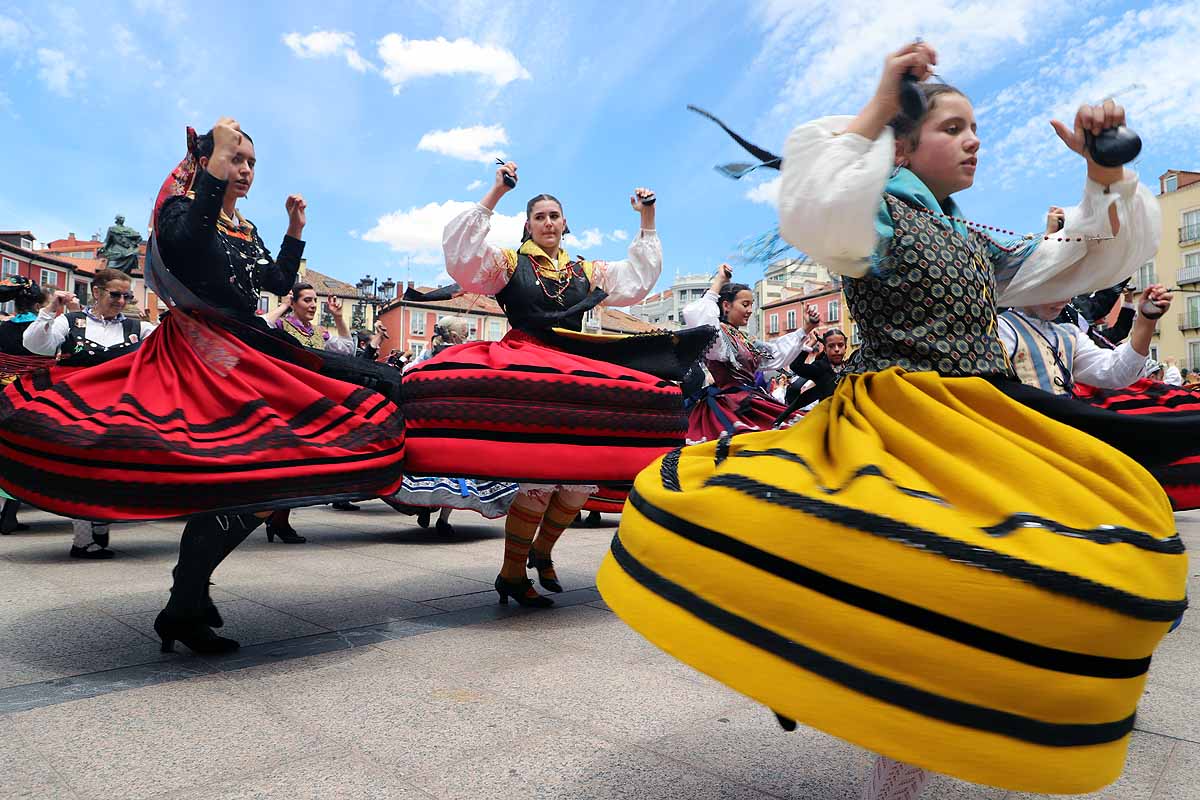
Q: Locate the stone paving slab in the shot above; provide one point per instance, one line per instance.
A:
(377, 663)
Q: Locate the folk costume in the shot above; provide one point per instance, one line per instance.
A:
(310, 335)
(547, 404)
(209, 418)
(1005, 576)
(207, 415)
(733, 403)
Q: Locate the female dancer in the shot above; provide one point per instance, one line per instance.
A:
(922, 565)
(208, 419)
(545, 407)
(733, 404)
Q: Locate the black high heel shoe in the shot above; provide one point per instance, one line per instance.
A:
(550, 584)
(191, 631)
(286, 535)
(522, 592)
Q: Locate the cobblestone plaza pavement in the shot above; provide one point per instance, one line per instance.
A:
(376, 663)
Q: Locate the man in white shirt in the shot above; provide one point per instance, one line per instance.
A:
(1053, 356)
(95, 334)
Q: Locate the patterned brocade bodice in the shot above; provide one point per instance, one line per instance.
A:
(930, 306)
(741, 361)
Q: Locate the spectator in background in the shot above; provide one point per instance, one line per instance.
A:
(84, 338)
(1171, 375)
(294, 316)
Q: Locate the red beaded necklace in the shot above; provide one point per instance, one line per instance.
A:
(1025, 237)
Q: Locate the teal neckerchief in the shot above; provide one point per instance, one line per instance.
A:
(905, 186)
(26, 316)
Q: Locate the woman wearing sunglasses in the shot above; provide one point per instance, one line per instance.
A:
(84, 338)
(96, 334)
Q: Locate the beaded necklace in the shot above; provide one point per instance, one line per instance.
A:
(1024, 237)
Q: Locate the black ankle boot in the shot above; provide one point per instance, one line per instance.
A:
(543, 565)
(287, 535)
(522, 592)
(191, 631)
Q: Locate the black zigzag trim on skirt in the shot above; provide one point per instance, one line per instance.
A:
(1105, 534)
(503, 387)
(888, 690)
(442, 366)
(670, 471)
(869, 471)
(1051, 580)
(484, 414)
(211, 468)
(592, 440)
(239, 490)
(1034, 655)
(139, 439)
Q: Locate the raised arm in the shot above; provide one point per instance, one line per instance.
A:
(47, 333)
(473, 263)
(835, 170)
(1118, 220)
(629, 281)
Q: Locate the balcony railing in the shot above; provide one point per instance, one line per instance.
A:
(1189, 322)
(1189, 233)
(1188, 275)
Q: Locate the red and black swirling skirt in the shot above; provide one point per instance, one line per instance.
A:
(1146, 398)
(522, 410)
(736, 409)
(194, 421)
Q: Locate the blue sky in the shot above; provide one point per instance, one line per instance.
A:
(384, 114)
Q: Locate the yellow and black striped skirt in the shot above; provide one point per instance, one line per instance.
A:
(922, 567)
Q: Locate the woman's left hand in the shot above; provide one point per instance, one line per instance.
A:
(334, 304)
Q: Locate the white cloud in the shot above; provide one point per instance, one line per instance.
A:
(57, 71)
(620, 235)
(475, 184)
(325, 44)
(418, 230)
(477, 143)
(406, 59)
(592, 237)
(831, 53)
(766, 193)
(13, 34)
(1148, 59)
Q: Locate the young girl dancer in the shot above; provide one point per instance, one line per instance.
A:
(922, 565)
(733, 404)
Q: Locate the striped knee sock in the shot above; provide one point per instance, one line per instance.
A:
(558, 516)
(520, 526)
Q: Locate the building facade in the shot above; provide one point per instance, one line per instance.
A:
(1177, 263)
(18, 257)
(665, 309)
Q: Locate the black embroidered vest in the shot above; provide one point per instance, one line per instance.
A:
(931, 303)
(78, 350)
(533, 302)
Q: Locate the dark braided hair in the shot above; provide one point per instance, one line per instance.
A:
(728, 294)
(833, 332)
(905, 127)
(526, 235)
